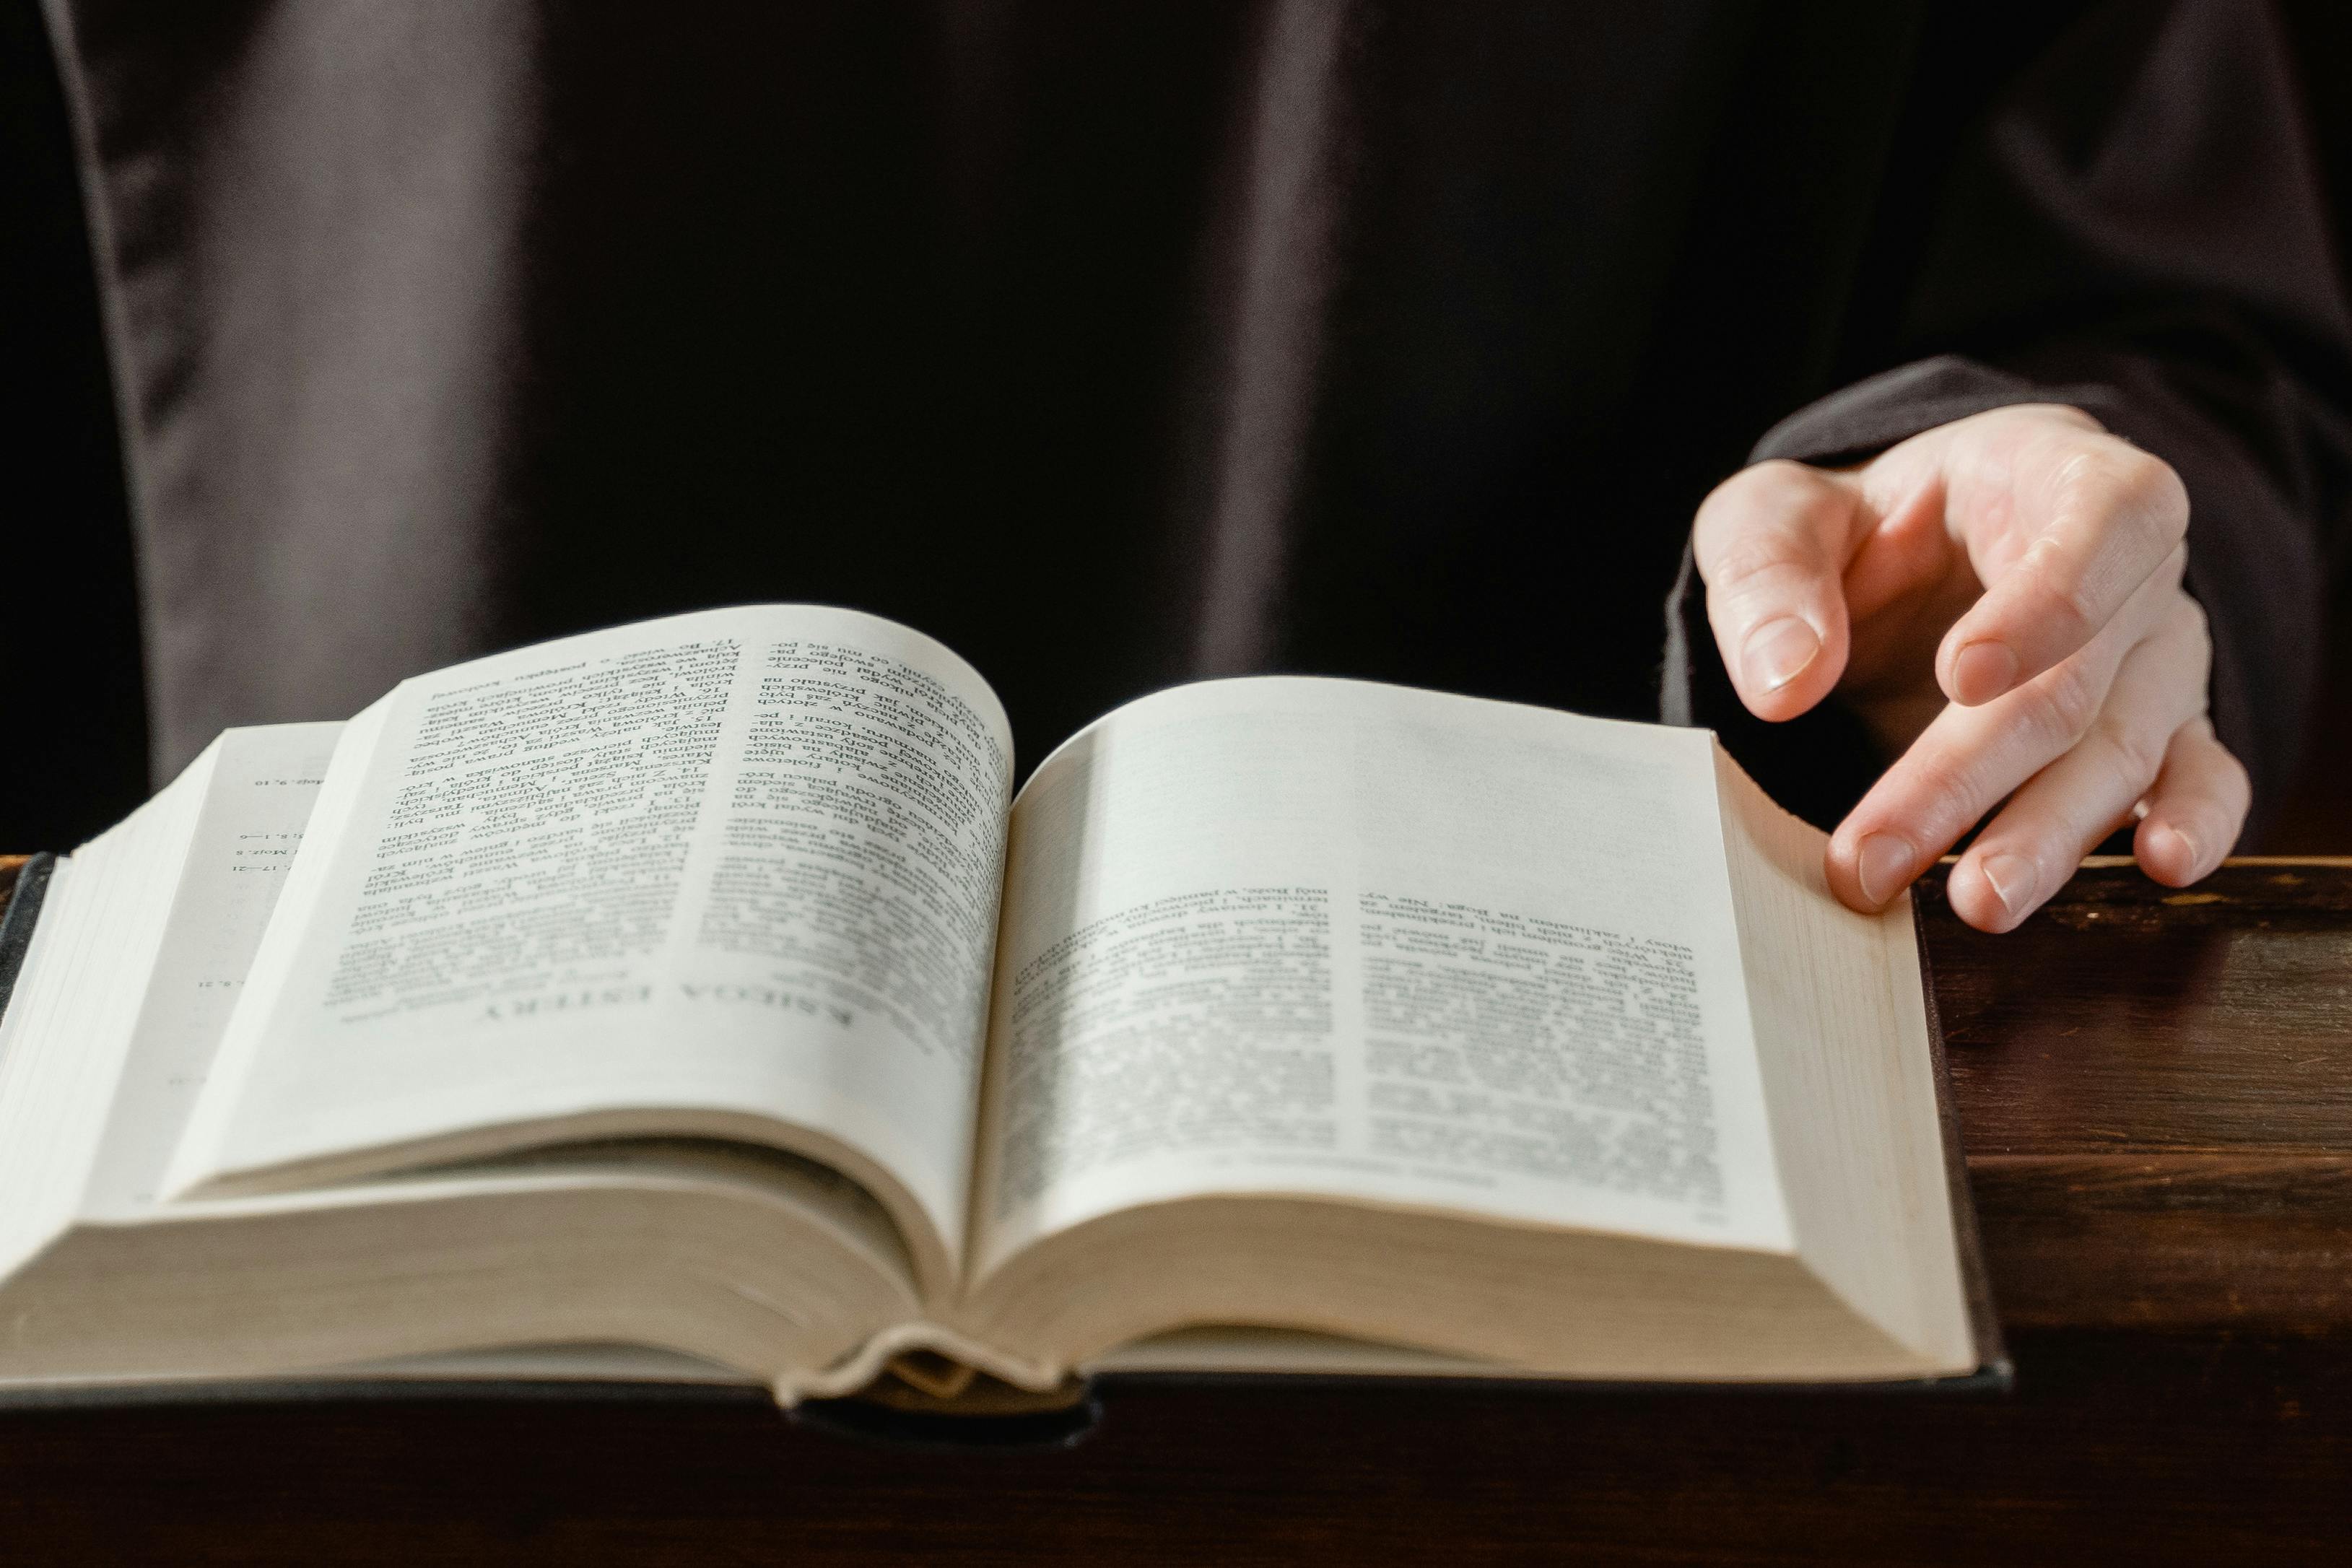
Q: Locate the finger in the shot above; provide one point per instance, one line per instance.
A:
(1771, 544)
(2027, 852)
(1966, 760)
(2115, 517)
(2196, 811)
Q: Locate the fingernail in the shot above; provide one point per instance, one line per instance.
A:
(1777, 652)
(1883, 864)
(2187, 855)
(1982, 671)
(2012, 880)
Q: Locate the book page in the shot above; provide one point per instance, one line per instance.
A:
(703, 874)
(74, 1007)
(1322, 937)
(258, 803)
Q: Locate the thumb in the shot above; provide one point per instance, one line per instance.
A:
(1771, 544)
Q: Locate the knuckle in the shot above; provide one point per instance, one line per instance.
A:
(2132, 757)
(2167, 501)
(2108, 480)
(2085, 472)
(1800, 496)
(2182, 638)
(2196, 647)
(1762, 520)
(2174, 570)
(2061, 605)
(1948, 785)
(1748, 560)
(1733, 521)
(2074, 605)
(1767, 489)
(2061, 706)
(2148, 486)
(2186, 619)
(2106, 471)
(1782, 483)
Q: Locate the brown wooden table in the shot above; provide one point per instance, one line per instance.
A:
(2155, 1092)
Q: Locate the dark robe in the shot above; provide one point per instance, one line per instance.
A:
(1118, 344)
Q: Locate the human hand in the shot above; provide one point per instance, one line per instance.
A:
(1999, 599)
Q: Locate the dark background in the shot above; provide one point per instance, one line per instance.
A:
(78, 757)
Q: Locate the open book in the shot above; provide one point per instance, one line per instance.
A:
(699, 985)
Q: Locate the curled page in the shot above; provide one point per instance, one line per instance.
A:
(732, 874)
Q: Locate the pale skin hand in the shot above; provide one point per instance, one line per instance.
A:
(1999, 599)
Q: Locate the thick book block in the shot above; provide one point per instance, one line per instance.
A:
(697, 1002)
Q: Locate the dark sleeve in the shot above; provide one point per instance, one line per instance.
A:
(2138, 232)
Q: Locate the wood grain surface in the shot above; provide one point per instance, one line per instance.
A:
(2154, 1091)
